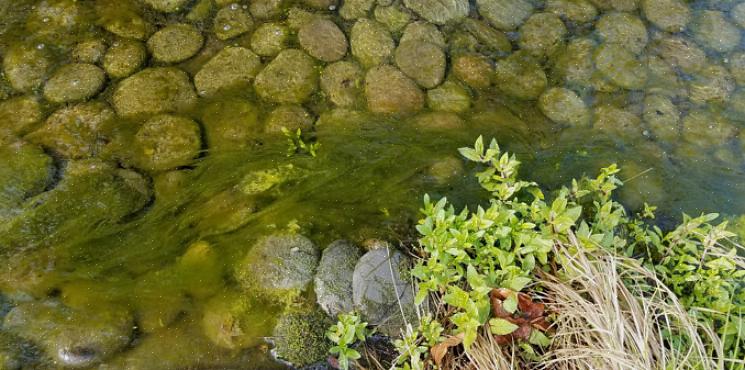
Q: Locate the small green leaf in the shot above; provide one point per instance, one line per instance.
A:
(510, 304)
(517, 283)
(501, 326)
(539, 339)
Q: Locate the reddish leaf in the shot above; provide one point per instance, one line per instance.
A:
(523, 332)
(497, 309)
(540, 323)
(439, 350)
(333, 362)
(530, 309)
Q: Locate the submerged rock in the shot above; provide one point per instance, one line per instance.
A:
(620, 66)
(71, 337)
(491, 41)
(380, 289)
(76, 131)
(474, 70)
(167, 6)
(394, 17)
(166, 141)
(279, 263)
(449, 97)
(422, 61)
(232, 21)
(26, 172)
(25, 67)
(574, 65)
(388, 90)
(542, 34)
(153, 91)
(123, 18)
(439, 11)
(175, 43)
(299, 337)
(520, 76)
(423, 31)
(231, 320)
(618, 123)
(713, 83)
(20, 114)
(681, 52)
(233, 67)
(290, 78)
(230, 124)
(89, 51)
(706, 130)
(662, 117)
(333, 281)
(124, 58)
(269, 39)
(505, 14)
(564, 106)
(74, 82)
(323, 40)
(668, 15)
(354, 9)
(713, 31)
(371, 43)
(289, 116)
(623, 29)
(342, 83)
(580, 11)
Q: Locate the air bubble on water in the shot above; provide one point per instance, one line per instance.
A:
(245, 6)
(332, 7)
(646, 133)
(226, 27)
(45, 20)
(234, 6)
(40, 46)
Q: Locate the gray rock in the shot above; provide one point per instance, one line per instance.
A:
(153, 91)
(505, 14)
(279, 263)
(342, 83)
(422, 61)
(371, 42)
(233, 67)
(439, 11)
(25, 67)
(74, 82)
(175, 43)
(333, 281)
(290, 78)
(167, 6)
(381, 290)
(124, 58)
(232, 21)
(71, 337)
(269, 39)
(388, 90)
(323, 40)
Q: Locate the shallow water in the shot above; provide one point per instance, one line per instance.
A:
(167, 260)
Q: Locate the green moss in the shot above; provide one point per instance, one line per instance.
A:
(299, 337)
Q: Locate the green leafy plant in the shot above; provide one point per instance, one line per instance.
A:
(296, 144)
(345, 333)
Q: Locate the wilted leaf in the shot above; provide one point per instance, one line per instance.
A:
(439, 351)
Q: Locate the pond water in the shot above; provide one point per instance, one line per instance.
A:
(142, 152)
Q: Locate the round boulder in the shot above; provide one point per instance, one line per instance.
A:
(290, 78)
(124, 58)
(167, 141)
(474, 70)
(439, 11)
(388, 90)
(505, 14)
(520, 76)
(175, 43)
(333, 281)
(74, 82)
(153, 91)
(713, 31)
(422, 61)
(20, 114)
(623, 29)
(269, 39)
(166, 6)
(25, 67)
(89, 51)
(713, 83)
(620, 66)
(423, 31)
(233, 67)
(75, 131)
(300, 337)
(542, 34)
(564, 106)
(668, 15)
(371, 43)
(579, 11)
(323, 40)
(342, 83)
(279, 263)
(617, 122)
(662, 117)
(232, 21)
(680, 52)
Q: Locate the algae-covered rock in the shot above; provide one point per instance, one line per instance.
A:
(72, 338)
(20, 114)
(290, 78)
(449, 97)
(123, 18)
(289, 116)
(233, 67)
(342, 83)
(269, 39)
(542, 34)
(380, 289)
(322, 4)
(422, 61)
(580, 11)
(491, 41)
(574, 65)
(278, 263)
(620, 66)
(474, 70)
(224, 212)
(713, 83)
(680, 52)
(662, 117)
(124, 58)
(266, 9)
(300, 339)
(230, 124)
(323, 40)
(26, 171)
(333, 281)
(26, 66)
(388, 90)
(175, 43)
(505, 14)
(75, 131)
(153, 91)
(616, 122)
(232, 320)
(668, 15)
(439, 11)
(736, 65)
(167, 6)
(297, 17)
(737, 13)
(713, 31)
(257, 182)
(564, 106)
(706, 130)
(89, 51)
(354, 9)
(371, 43)
(662, 78)
(74, 82)
(394, 17)
(622, 29)
(520, 76)
(438, 121)
(423, 31)
(167, 141)
(232, 21)
(618, 5)
(91, 194)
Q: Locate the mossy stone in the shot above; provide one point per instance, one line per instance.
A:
(266, 9)
(705, 129)
(75, 131)
(124, 57)
(26, 172)
(423, 31)
(20, 114)
(342, 83)
(580, 11)
(371, 43)
(269, 39)
(290, 78)
(89, 51)
(440, 11)
(175, 43)
(394, 17)
(289, 116)
(662, 117)
(355, 9)
(623, 29)
(505, 15)
(680, 52)
(123, 19)
(491, 41)
(474, 70)
(153, 91)
(26, 67)
(333, 280)
(618, 123)
(231, 320)
(166, 141)
(232, 21)
(233, 67)
(712, 30)
(564, 106)
(74, 82)
(167, 6)
(520, 76)
(712, 84)
(573, 65)
(230, 124)
(668, 15)
(542, 34)
(323, 40)
(57, 21)
(388, 90)
(620, 66)
(422, 61)
(300, 337)
(449, 97)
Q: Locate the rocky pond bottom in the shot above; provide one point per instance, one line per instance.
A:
(194, 184)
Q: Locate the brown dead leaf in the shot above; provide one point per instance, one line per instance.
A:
(531, 310)
(439, 350)
(497, 309)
